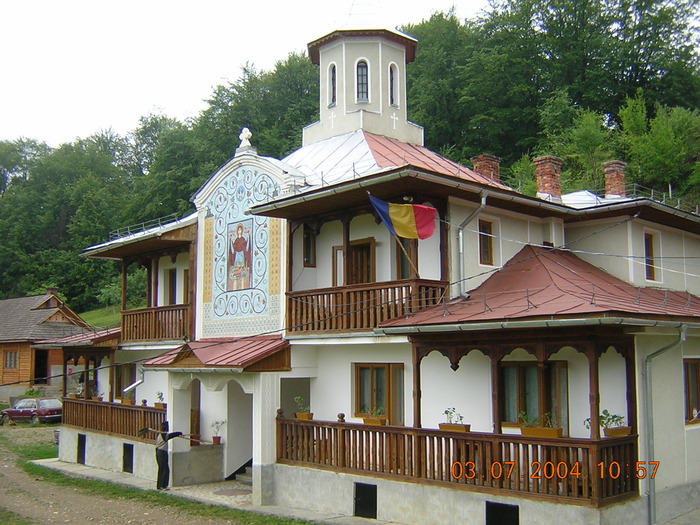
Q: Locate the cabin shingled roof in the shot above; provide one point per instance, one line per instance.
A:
(23, 319)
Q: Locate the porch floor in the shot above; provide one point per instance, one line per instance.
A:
(227, 493)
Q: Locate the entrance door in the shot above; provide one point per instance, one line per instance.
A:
(41, 366)
(360, 261)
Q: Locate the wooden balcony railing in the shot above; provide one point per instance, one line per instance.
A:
(156, 324)
(563, 470)
(359, 306)
(114, 418)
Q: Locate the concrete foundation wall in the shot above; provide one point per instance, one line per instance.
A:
(417, 504)
(201, 464)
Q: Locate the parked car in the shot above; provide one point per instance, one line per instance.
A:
(36, 410)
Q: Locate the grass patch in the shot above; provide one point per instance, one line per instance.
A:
(27, 452)
(10, 518)
(107, 317)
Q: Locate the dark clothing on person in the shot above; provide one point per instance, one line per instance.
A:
(162, 458)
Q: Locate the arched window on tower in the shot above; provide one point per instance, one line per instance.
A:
(393, 88)
(332, 86)
(362, 82)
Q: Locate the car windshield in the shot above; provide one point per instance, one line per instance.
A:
(50, 403)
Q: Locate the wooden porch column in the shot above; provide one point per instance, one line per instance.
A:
(346, 249)
(192, 285)
(444, 243)
(495, 392)
(152, 275)
(125, 267)
(594, 388)
(416, 389)
(65, 370)
(631, 389)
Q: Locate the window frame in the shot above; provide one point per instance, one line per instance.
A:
(393, 90)
(406, 271)
(11, 361)
(550, 398)
(651, 248)
(124, 375)
(308, 246)
(362, 81)
(332, 85)
(690, 418)
(393, 388)
(486, 255)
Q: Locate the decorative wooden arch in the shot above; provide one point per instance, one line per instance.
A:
(592, 342)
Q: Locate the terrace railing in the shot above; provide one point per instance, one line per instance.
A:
(359, 306)
(112, 418)
(156, 324)
(574, 471)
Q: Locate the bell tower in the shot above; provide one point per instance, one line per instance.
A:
(362, 73)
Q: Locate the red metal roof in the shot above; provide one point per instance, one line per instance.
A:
(389, 153)
(230, 352)
(554, 284)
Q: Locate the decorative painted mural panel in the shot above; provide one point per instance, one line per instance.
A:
(240, 245)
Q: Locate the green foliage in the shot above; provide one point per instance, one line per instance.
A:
(30, 392)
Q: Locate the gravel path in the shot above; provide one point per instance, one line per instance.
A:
(46, 503)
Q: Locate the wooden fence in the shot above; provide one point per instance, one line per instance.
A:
(112, 418)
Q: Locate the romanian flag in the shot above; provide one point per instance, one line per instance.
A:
(411, 221)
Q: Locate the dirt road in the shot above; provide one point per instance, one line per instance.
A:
(50, 504)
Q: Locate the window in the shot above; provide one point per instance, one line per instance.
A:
(392, 85)
(125, 375)
(379, 391)
(11, 359)
(332, 85)
(692, 390)
(309, 247)
(649, 262)
(404, 269)
(172, 286)
(362, 82)
(536, 390)
(485, 242)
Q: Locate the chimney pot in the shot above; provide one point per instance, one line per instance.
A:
(488, 166)
(548, 175)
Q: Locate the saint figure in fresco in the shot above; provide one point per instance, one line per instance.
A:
(239, 259)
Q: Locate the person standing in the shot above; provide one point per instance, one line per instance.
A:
(162, 455)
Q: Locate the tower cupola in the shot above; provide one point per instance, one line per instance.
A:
(362, 73)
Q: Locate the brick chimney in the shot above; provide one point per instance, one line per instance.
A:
(488, 166)
(614, 178)
(51, 291)
(548, 175)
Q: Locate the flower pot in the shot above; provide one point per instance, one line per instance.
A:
(375, 420)
(543, 432)
(455, 427)
(617, 431)
(161, 405)
(216, 440)
(73, 396)
(304, 415)
(127, 401)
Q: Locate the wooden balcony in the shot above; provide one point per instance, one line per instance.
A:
(157, 324)
(560, 470)
(112, 418)
(360, 306)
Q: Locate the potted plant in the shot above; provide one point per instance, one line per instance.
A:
(98, 398)
(375, 416)
(303, 410)
(216, 427)
(454, 421)
(532, 427)
(613, 425)
(160, 403)
(128, 398)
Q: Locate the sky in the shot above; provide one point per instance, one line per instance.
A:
(72, 68)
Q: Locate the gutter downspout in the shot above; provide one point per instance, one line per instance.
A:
(649, 430)
(460, 239)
